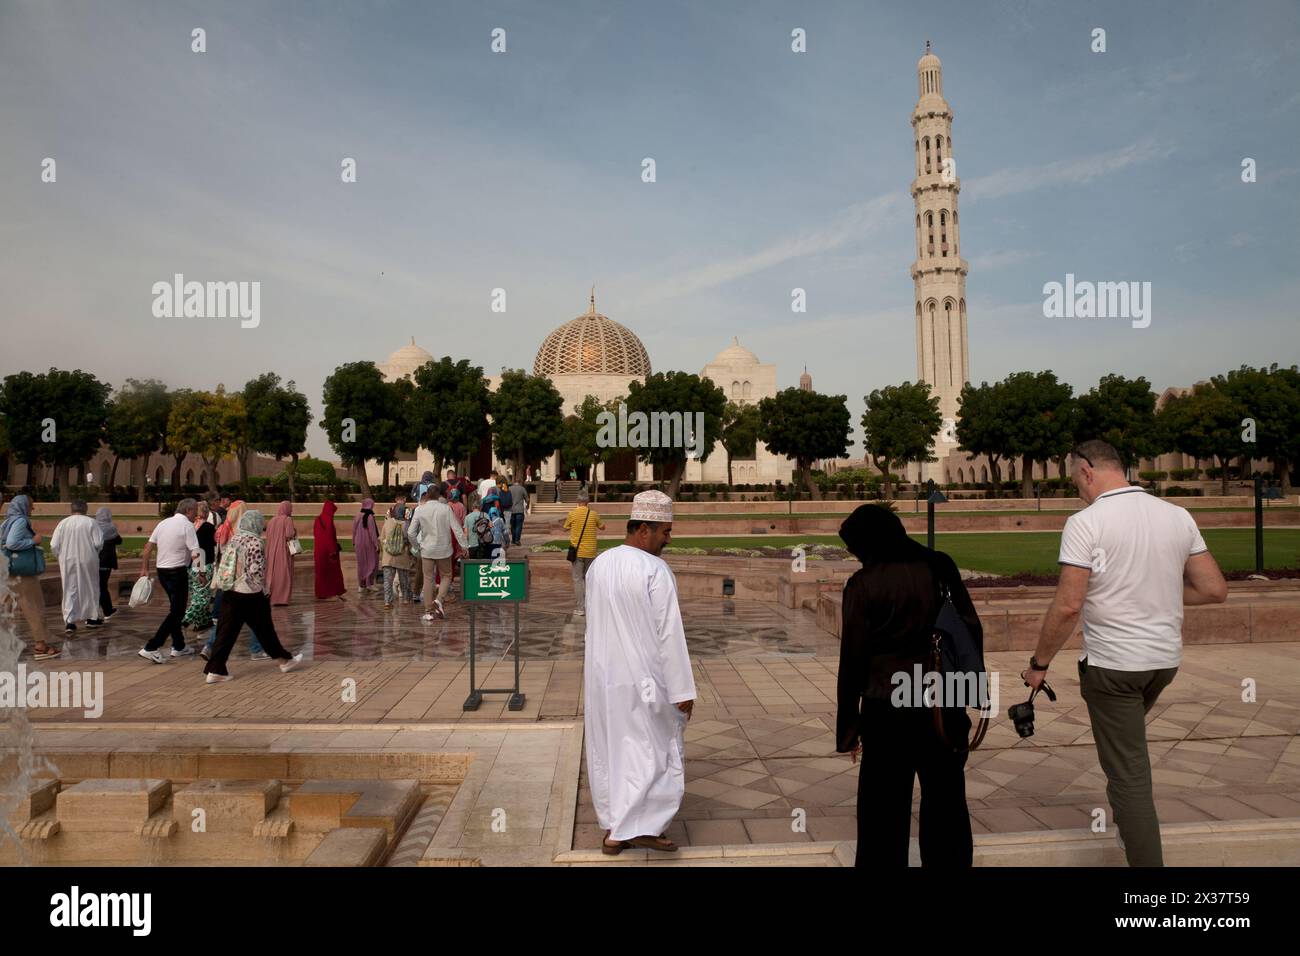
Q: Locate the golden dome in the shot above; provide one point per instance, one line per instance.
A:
(591, 344)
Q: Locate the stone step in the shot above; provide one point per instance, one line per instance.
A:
(1262, 842)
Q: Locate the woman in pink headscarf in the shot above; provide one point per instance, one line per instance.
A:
(279, 559)
(365, 545)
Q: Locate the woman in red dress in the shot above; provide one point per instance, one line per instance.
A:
(325, 554)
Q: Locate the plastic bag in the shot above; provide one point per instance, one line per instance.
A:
(142, 592)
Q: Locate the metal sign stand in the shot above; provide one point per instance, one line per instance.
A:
(476, 693)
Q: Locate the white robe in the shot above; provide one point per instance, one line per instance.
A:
(76, 542)
(636, 671)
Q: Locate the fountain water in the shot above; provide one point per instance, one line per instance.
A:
(15, 729)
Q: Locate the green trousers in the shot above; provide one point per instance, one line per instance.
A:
(1118, 702)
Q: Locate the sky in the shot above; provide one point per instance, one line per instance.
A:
(522, 170)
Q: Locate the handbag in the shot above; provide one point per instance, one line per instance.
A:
(572, 554)
(953, 650)
(26, 563)
(295, 547)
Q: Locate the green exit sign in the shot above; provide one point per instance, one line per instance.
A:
(484, 581)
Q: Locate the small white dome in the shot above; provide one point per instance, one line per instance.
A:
(735, 354)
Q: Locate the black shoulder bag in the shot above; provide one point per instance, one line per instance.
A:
(953, 651)
(573, 548)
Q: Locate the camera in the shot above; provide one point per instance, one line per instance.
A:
(1022, 715)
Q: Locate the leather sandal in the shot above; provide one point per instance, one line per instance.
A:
(612, 849)
(660, 842)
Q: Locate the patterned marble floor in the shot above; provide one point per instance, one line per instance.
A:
(774, 777)
(359, 629)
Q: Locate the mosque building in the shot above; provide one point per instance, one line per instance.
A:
(594, 355)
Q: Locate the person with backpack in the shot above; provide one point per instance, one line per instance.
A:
(396, 559)
(478, 530)
(500, 536)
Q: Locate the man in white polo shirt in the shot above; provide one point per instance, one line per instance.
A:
(1129, 562)
(177, 546)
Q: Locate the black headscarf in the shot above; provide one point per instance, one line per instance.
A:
(874, 533)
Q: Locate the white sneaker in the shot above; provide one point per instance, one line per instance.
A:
(437, 609)
(155, 656)
(579, 612)
(219, 678)
(291, 663)
(186, 651)
(426, 618)
(259, 656)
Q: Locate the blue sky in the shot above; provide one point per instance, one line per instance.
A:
(775, 170)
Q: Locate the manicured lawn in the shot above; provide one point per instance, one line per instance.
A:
(1031, 552)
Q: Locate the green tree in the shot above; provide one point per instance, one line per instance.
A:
(580, 442)
(739, 433)
(357, 404)
(980, 428)
(899, 426)
(1270, 397)
(805, 426)
(1205, 424)
(70, 408)
(665, 394)
(1122, 412)
(527, 418)
(208, 424)
(137, 426)
(1039, 415)
(396, 434)
(277, 420)
(167, 448)
(449, 409)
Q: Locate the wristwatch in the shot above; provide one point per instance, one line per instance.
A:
(1035, 666)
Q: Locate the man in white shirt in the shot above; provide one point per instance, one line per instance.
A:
(1129, 562)
(177, 546)
(432, 528)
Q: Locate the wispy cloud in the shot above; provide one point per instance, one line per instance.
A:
(1001, 258)
(1077, 171)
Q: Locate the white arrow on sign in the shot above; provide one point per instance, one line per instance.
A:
(494, 593)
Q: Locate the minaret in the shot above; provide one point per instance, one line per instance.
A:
(939, 272)
(805, 381)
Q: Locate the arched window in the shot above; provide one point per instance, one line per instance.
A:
(189, 476)
(929, 226)
(918, 157)
(918, 235)
(984, 473)
(947, 315)
(203, 478)
(938, 151)
(926, 140)
(961, 476)
(943, 232)
(1011, 471)
(746, 390)
(157, 477)
(735, 389)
